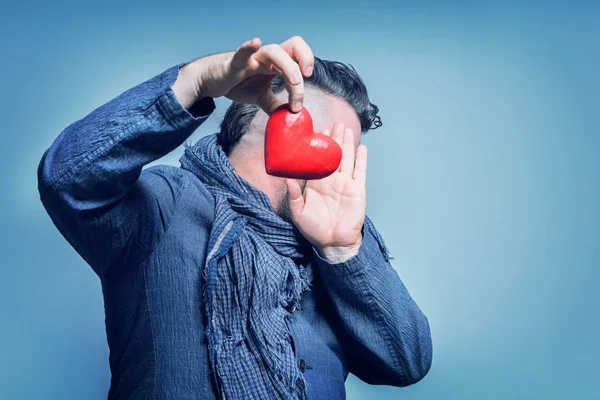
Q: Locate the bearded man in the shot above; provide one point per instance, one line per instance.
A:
(220, 280)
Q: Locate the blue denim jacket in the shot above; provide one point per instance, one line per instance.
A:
(144, 232)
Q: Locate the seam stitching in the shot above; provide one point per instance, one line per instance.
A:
(388, 335)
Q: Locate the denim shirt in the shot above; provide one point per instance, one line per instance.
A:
(144, 232)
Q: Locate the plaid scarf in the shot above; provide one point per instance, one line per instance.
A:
(252, 283)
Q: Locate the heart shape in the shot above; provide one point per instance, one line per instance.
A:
(294, 150)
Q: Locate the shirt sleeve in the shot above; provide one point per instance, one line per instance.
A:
(390, 336)
(91, 182)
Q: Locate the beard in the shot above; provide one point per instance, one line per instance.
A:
(284, 210)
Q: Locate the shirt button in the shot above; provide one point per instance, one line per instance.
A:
(302, 364)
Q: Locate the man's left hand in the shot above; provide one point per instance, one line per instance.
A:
(331, 211)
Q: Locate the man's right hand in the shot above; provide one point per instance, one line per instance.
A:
(245, 75)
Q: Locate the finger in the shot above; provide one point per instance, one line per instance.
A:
(242, 55)
(274, 70)
(276, 56)
(268, 101)
(337, 134)
(347, 164)
(360, 166)
(301, 51)
(295, 198)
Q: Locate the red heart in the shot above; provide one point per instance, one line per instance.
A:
(294, 150)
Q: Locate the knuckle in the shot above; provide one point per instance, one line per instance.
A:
(292, 73)
(267, 49)
(272, 47)
(294, 68)
(297, 88)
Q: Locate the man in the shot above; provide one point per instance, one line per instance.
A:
(221, 281)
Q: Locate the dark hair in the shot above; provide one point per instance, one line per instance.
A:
(332, 77)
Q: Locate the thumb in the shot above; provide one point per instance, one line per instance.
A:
(268, 102)
(295, 198)
(244, 52)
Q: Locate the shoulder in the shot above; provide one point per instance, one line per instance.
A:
(179, 188)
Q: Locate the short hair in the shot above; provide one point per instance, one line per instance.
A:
(332, 77)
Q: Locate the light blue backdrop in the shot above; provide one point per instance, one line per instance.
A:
(484, 179)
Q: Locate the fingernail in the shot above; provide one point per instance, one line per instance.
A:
(298, 106)
(308, 70)
(297, 77)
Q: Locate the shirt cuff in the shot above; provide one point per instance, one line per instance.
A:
(174, 112)
(368, 253)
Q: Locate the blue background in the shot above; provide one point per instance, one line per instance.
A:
(484, 179)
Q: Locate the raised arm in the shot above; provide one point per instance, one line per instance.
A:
(91, 182)
(90, 179)
(390, 336)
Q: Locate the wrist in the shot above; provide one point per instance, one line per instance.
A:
(187, 86)
(211, 75)
(340, 254)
